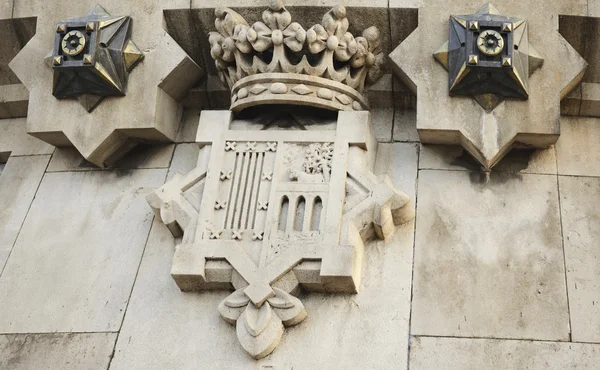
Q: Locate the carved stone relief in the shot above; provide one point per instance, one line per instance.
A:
(92, 57)
(277, 61)
(269, 212)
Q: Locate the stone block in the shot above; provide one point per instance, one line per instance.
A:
(489, 257)
(143, 156)
(19, 181)
(455, 158)
(486, 354)
(405, 125)
(581, 234)
(73, 266)
(67, 351)
(15, 141)
(578, 150)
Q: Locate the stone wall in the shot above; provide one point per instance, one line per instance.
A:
(499, 269)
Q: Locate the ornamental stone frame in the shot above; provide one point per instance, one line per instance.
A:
(489, 135)
(151, 109)
(285, 205)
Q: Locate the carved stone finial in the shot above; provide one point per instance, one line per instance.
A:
(277, 61)
(92, 57)
(488, 57)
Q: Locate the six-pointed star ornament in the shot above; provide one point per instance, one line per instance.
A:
(101, 54)
(92, 57)
(490, 58)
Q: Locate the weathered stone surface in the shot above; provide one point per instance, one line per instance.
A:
(445, 157)
(578, 150)
(405, 125)
(150, 111)
(15, 141)
(442, 119)
(488, 257)
(73, 265)
(485, 354)
(333, 336)
(56, 351)
(189, 126)
(581, 233)
(383, 122)
(141, 157)
(19, 181)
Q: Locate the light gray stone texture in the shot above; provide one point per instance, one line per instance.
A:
(141, 157)
(483, 354)
(488, 257)
(19, 182)
(14, 139)
(405, 125)
(382, 121)
(189, 126)
(56, 351)
(334, 336)
(581, 230)
(578, 149)
(74, 263)
(455, 158)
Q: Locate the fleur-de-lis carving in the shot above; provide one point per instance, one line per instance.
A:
(275, 29)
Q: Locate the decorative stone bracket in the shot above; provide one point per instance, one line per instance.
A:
(279, 211)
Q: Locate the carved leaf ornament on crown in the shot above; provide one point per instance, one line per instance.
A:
(277, 61)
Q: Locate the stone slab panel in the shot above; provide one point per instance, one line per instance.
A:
(578, 149)
(489, 257)
(581, 230)
(334, 335)
(383, 122)
(19, 182)
(74, 263)
(15, 140)
(189, 126)
(141, 157)
(56, 351)
(483, 354)
(455, 158)
(405, 125)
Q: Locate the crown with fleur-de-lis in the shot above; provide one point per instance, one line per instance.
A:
(277, 61)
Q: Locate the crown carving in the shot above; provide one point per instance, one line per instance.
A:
(277, 61)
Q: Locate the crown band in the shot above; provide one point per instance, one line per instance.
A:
(295, 89)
